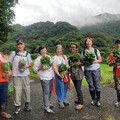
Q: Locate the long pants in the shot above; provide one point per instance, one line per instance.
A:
(3, 92)
(93, 79)
(21, 85)
(61, 88)
(47, 90)
(77, 84)
(117, 86)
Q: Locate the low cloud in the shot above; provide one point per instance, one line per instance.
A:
(76, 12)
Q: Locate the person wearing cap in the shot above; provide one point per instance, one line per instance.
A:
(21, 79)
(4, 90)
(116, 72)
(92, 72)
(61, 84)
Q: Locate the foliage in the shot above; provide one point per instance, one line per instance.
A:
(50, 34)
(10, 89)
(5, 67)
(46, 61)
(110, 29)
(34, 56)
(6, 17)
(74, 58)
(116, 54)
(22, 63)
(62, 68)
(89, 58)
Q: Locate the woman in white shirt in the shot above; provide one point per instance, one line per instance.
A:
(46, 77)
(61, 85)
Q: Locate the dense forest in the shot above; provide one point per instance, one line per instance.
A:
(51, 34)
(110, 29)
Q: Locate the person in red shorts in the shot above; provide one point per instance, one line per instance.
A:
(116, 72)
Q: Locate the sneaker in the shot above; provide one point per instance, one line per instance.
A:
(76, 101)
(66, 103)
(98, 104)
(51, 106)
(49, 111)
(79, 107)
(117, 104)
(27, 107)
(61, 105)
(93, 102)
(16, 110)
(5, 115)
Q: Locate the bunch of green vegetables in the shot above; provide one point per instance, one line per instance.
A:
(74, 58)
(116, 54)
(22, 63)
(62, 69)
(5, 67)
(46, 61)
(89, 58)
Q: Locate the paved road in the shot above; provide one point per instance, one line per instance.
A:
(107, 109)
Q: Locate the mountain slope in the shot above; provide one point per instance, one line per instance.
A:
(110, 26)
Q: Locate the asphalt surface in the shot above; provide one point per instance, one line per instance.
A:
(89, 112)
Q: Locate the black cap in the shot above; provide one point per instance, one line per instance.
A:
(117, 41)
(20, 41)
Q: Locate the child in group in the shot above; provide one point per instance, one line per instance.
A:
(21, 62)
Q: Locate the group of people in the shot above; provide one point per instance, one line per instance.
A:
(51, 78)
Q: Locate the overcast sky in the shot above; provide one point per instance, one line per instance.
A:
(32, 11)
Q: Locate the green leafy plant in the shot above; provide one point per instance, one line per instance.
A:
(10, 89)
(5, 67)
(62, 68)
(46, 61)
(89, 58)
(21, 63)
(74, 58)
(116, 54)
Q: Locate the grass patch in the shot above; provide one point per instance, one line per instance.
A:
(10, 89)
(106, 74)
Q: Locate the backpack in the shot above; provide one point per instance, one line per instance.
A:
(95, 51)
(16, 53)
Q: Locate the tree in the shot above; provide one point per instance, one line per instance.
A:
(6, 17)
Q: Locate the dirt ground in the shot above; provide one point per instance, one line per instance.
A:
(106, 111)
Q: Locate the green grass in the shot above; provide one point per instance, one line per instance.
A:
(106, 74)
(10, 89)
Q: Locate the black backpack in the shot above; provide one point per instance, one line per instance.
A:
(16, 53)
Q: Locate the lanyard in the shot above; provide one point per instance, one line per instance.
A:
(60, 59)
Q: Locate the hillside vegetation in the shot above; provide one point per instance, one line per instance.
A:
(51, 34)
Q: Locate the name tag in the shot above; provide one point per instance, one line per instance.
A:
(118, 65)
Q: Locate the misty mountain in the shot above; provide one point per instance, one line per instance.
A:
(99, 19)
(109, 25)
(107, 17)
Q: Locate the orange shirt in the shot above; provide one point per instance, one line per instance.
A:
(117, 71)
(2, 79)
